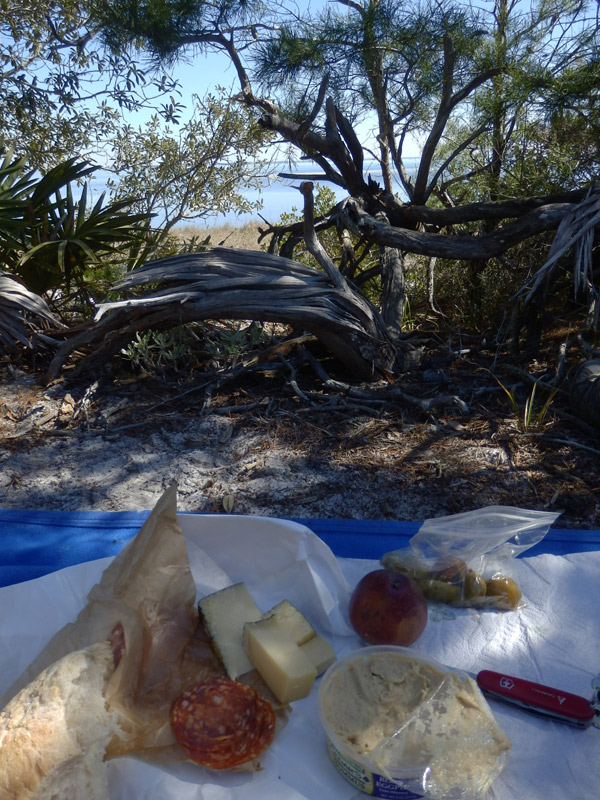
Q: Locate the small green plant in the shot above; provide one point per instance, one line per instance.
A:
(228, 342)
(408, 320)
(528, 410)
(152, 351)
(534, 419)
(529, 419)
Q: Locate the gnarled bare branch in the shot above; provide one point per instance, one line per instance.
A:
(227, 283)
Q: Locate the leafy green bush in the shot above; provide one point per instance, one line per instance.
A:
(227, 342)
(153, 351)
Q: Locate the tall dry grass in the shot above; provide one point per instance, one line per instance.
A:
(244, 236)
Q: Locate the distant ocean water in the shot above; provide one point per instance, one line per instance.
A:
(278, 195)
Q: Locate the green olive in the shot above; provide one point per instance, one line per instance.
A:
(475, 585)
(505, 591)
(453, 572)
(406, 566)
(441, 592)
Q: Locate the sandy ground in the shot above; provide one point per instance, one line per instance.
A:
(221, 463)
(118, 450)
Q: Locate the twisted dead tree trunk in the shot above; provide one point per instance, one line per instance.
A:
(226, 283)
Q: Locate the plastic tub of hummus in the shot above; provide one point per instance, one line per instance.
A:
(400, 725)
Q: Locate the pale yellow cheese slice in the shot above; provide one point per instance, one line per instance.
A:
(287, 671)
(319, 652)
(286, 618)
(225, 613)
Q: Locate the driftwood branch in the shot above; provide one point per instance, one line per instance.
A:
(315, 248)
(226, 283)
(386, 394)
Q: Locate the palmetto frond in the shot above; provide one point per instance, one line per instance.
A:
(49, 237)
(17, 306)
(575, 232)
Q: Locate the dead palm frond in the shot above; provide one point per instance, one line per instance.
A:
(575, 232)
(17, 306)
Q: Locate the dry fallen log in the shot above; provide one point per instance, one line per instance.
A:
(226, 283)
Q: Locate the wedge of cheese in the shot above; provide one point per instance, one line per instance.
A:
(225, 613)
(286, 618)
(319, 652)
(283, 666)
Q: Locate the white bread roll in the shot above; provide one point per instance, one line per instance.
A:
(54, 733)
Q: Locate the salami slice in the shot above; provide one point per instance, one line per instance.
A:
(221, 723)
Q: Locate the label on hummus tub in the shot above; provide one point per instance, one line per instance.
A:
(369, 782)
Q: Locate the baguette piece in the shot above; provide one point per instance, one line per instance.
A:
(54, 732)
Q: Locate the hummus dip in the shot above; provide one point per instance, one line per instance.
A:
(409, 718)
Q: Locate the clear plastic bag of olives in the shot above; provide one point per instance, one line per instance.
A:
(464, 559)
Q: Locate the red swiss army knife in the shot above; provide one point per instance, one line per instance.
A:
(554, 703)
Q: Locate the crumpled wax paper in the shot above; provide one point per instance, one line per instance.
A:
(554, 639)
